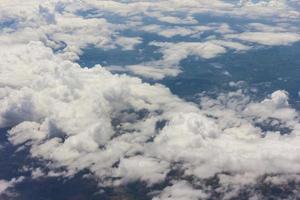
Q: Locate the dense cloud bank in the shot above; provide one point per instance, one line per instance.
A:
(124, 130)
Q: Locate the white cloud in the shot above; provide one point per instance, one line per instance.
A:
(142, 168)
(267, 38)
(122, 129)
(267, 28)
(128, 43)
(59, 26)
(174, 30)
(71, 110)
(67, 112)
(187, 20)
(153, 72)
(181, 190)
(4, 184)
(275, 107)
(173, 53)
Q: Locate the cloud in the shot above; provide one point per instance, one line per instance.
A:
(153, 72)
(173, 53)
(125, 130)
(4, 184)
(267, 38)
(140, 168)
(170, 32)
(187, 20)
(276, 107)
(181, 190)
(118, 128)
(128, 43)
(267, 28)
(64, 27)
(71, 131)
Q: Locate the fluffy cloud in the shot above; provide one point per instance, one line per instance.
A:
(116, 126)
(267, 38)
(170, 32)
(4, 184)
(188, 20)
(181, 191)
(276, 107)
(61, 110)
(153, 70)
(128, 43)
(125, 130)
(140, 168)
(69, 27)
(173, 53)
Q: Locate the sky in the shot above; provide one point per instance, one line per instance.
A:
(188, 100)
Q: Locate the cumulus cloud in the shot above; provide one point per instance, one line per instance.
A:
(71, 132)
(153, 71)
(124, 130)
(173, 19)
(128, 43)
(64, 26)
(181, 191)
(5, 185)
(275, 107)
(140, 168)
(116, 126)
(170, 32)
(267, 38)
(173, 53)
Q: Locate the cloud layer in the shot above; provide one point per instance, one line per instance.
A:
(115, 126)
(124, 130)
